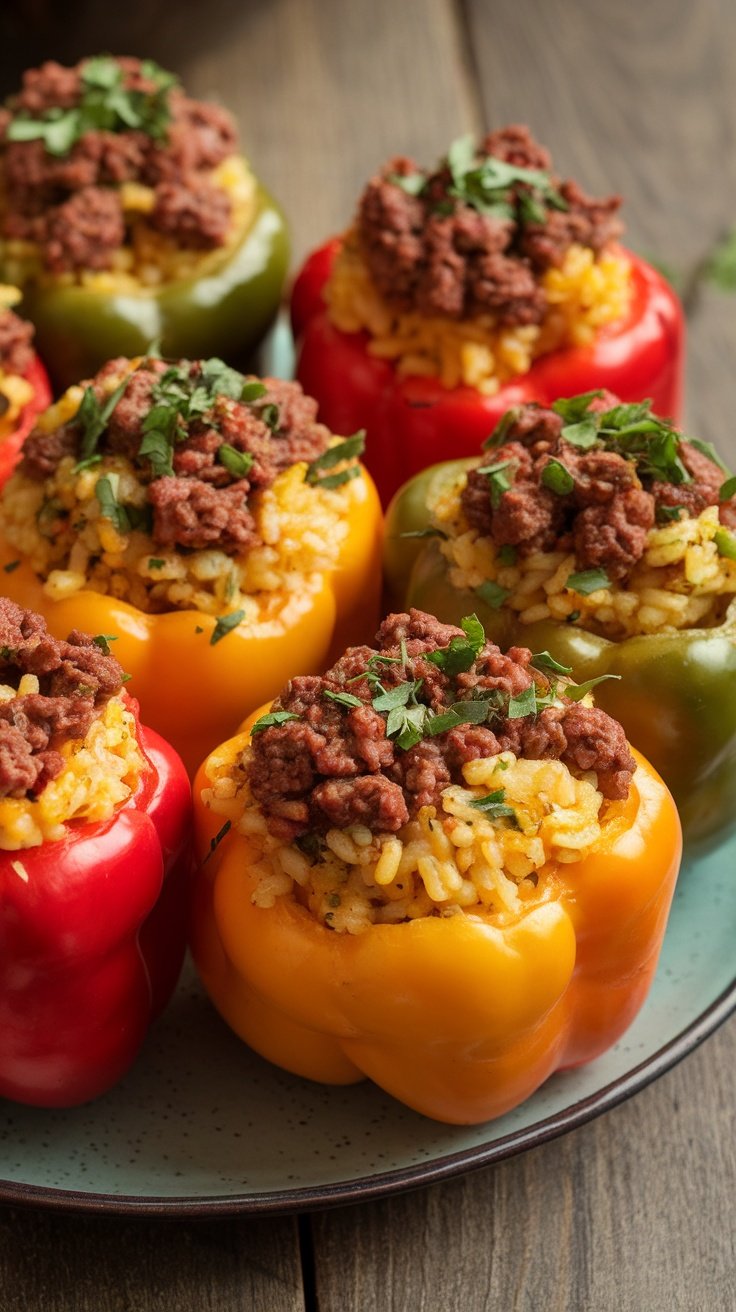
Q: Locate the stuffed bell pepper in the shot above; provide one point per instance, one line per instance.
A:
(127, 215)
(437, 866)
(462, 291)
(207, 521)
(95, 861)
(601, 533)
(24, 386)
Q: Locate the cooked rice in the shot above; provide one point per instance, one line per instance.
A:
(447, 862)
(681, 582)
(150, 258)
(15, 393)
(302, 528)
(101, 772)
(583, 295)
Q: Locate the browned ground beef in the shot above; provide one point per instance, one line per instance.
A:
(69, 204)
(437, 254)
(606, 516)
(335, 766)
(76, 679)
(204, 502)
(16, 337)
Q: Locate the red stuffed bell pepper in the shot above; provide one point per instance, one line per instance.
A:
(94, 866)
(24, 384)
(461, 293)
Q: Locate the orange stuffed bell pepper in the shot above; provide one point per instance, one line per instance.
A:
(204, 520)
(461, 292)
(438, 867)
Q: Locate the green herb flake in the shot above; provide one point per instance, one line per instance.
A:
(506, 554)
(708, 449)
(525, 703)
(11, 566)
(225, 624)
(502, 429)
(557, 478)
(401, 695)
(156, 448)
(349, 449)
(492, 594)
(587, 581)
(668, 514)
(155, 562)
(106, 492)
(272, 720)
(545, 661)
(92, 420)
(342, 698)
(460, 653)
(727, 489)
(238, 463)
(215, 842)
(725, 543)
(463, 712)
(423, 533)
(494, 806)
(576, 691)
(103, 640)
(500, 478)
(412, 183)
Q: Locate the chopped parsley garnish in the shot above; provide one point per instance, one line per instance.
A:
(492, 593)
(92, 419)
(412, 183)
(106, 491)
(349, 449)
(225, 624)
(459, 655)
(727, 489)
(499, 189)
(500, 478)
(272, 719)
(725, 543)
(215, 842)
(506, 554)
(155, 562)
(557, 478)
(502, 429)
(103, 640)
(576, 691)
(523, 704)
(545, 661)
(463, 712)
(668, 514)
(587, 581)
(424, 533)
(237, 463)
(105, 104)
(342, 698)
(494, 806)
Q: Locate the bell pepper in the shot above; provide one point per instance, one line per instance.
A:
(675, 694)
(412, 422)
(196, 682)
(224, 311)
(92, 938)
(459, 1019)
(11, 444)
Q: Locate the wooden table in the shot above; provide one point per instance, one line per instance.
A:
(634, 1211)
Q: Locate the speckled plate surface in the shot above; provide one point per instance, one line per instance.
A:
(203, 1126)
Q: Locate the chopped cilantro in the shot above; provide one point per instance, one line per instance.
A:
(106, 491)
(499, 189)
(238, 463)
(155, 562)
(215, 842)
(401, 695)
(349, 449)
(727, 489)
(463, 712)
(500, 478)
(272, 719)
(412, 183)
(342, 698)
(424, 533)
(103, 640)
(460, 653)
(157, 449)
(576, 691)
(93, 418)
(557, 478)
(502, 429)
(492, 593)
(225, 624)
(545, 661)
(525, 703)
(666, 514)
(506, 554)
(587, 581)
(494, 806)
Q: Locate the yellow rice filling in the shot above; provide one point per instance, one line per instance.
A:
(101, 772)
(447, 861)
(302, 529)
(149, 258)
(681, 581)
(583, 295)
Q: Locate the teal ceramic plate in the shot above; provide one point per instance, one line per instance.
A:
(202, 1126)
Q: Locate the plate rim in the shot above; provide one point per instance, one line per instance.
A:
(360, 1189)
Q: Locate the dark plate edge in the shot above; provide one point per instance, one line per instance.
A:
(397, 1181)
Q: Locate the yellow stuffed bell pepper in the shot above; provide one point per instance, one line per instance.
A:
(460, 1012)
(206, 627)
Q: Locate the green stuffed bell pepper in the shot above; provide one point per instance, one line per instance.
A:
(152, 226)
(628, 569)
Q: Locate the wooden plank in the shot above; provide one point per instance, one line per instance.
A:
(633, 1212)
(51, 1262)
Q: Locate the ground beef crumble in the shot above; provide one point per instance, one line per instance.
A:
(334, 766)
(70, 204)
(76, 679)
(16, 338)
(204, 503)
(435, 253)
(606, 516)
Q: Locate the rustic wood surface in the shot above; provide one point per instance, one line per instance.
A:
(634, 1211)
